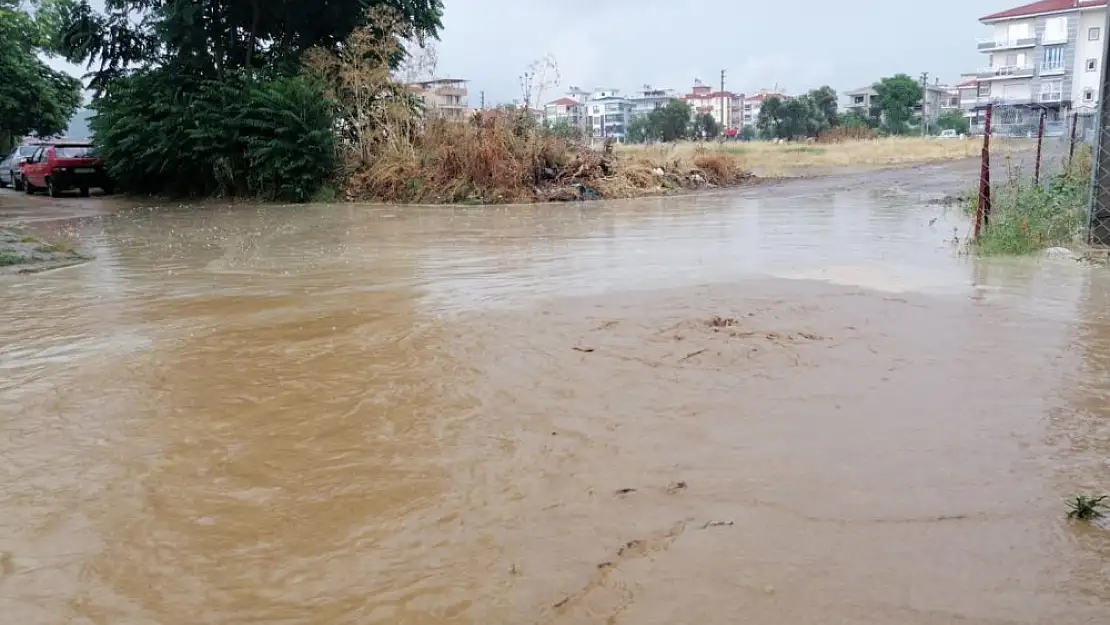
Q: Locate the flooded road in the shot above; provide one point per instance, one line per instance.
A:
(795, 403)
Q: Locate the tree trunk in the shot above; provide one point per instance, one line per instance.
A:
(254, 32)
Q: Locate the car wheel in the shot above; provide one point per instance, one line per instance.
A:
(3, 182)
(27, 187)
(84, 192)
(17, 182)
(50, 189)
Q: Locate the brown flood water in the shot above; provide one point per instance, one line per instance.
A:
(348, 415)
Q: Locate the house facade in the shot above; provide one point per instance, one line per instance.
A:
(650, 98)
(446, 97)
(1043, 55)
(565, 110)
(753, 103)
(725, 107)
(607, 114)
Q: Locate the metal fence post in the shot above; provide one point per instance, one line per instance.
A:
(983, 211)
(1071, 145)
(1040, 142)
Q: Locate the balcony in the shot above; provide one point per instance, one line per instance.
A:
(1053, 97)
(1002, 73)
(445, 91)
(991, 44)
(1055, 69)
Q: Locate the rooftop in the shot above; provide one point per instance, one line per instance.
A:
(712, 94)
(563, 102)
(438, 81)
(1042, 7)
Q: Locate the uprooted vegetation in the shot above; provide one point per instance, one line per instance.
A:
(394, 151)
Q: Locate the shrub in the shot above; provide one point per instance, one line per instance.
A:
(1027, 217)
(244, 135)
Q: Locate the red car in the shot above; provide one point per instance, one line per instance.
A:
(62, 166)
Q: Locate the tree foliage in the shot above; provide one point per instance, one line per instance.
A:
(953, 120)
(896, 96)
(670, 122)
(706, 127)
(203, 97)
(210, 37)
(34, 99)
(161, 132)
(794, 118)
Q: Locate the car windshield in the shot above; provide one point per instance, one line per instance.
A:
(27, 150)
(73, 151)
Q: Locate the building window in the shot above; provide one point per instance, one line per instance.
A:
(1092, 65)
(984, 90)
(1053, 57)
(1093, 33)
(1052, 91)
(1056, 29)
(1088, 95)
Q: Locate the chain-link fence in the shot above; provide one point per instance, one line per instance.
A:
(1051, 141)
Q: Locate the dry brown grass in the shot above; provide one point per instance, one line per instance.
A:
(791, 159)
(497, 157)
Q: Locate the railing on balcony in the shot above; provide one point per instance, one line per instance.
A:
(1051, 96)
(991, 43)
(1052, 69)
(1008, 71)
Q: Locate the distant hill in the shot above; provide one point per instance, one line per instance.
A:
(79, 125)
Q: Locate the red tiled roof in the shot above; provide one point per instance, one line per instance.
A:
(968, 83)
(759, 97)
(563, 102)
(1043, 6)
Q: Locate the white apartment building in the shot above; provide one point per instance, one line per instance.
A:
(724, 106)
(444, 96)
(650, 98)
(564, 110)
(607, 114)
(1044, 55)
(753, 103)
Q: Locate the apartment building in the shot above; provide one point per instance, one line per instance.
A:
(650, 98)
(607, 114)
(860, 100)
(444, 96)
(565, 110)
(752, 104)
(725, 107)
(1043, 55)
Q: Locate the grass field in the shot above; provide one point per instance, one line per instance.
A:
(768, 159)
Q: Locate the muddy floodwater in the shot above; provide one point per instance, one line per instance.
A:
(796, 403)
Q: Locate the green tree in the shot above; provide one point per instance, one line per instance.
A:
(747, 133)
(896, 96)
(706, 127)
(670, 122)
(34, 99)
(793, 118)
(857, 117)
(824, 100)
(769, 118)
(639, 130)
(202, 97)
(952, 120)
(210, 37)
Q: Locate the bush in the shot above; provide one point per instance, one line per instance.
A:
(240, 135)
(1026, 217)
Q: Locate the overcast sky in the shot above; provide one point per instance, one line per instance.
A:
(668, 43)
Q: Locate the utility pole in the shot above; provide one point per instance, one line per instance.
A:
(482, 100)
(924, 98)
(724, 110)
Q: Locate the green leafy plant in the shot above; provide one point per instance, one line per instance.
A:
(1086, 508)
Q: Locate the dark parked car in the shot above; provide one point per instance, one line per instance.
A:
(63, 166)
(11, 167)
